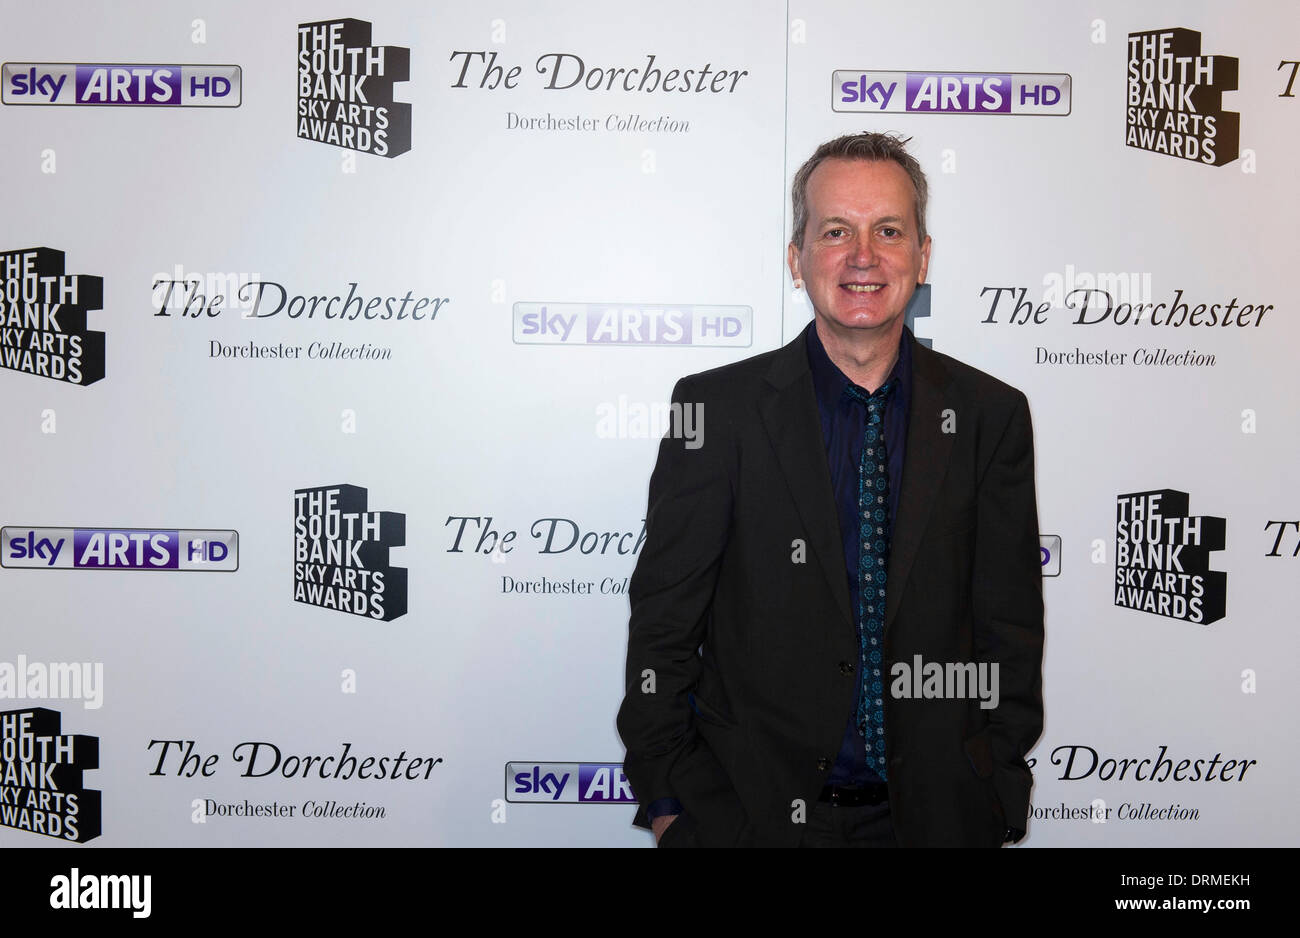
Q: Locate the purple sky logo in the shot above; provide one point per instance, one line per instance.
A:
(1024, 93)
(567, 783)
(121, 85)
(632, 324)
(1049, 554)
(119, 549)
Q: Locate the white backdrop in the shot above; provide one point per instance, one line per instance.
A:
(624, 209)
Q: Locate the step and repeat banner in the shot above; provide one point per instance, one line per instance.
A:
(336, 343)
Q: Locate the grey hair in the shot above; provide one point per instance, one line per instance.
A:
(864, 146)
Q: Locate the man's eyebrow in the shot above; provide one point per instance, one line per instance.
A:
(887, 220)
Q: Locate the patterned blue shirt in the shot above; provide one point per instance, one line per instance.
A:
(843, 422)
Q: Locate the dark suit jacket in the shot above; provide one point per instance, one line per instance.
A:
(740, 675)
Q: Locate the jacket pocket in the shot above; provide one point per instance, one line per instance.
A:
(708, 713)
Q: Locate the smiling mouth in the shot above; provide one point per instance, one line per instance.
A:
(863, 287)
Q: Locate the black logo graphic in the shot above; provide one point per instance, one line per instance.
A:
(1175, 97)
(40, 777)
(43, 318)
(341, 553)
(345, 88)
(1162, 558)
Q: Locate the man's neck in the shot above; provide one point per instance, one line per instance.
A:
(865, 356)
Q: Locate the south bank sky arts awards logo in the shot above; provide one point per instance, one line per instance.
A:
(1162, 557)
(43, 318)
(345, 89)
(41, 787)
(341, 553)
(1175, 98)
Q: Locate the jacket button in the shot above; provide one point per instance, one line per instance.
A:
(823, 765)
(846, 668)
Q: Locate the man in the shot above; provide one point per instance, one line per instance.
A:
(862, 506)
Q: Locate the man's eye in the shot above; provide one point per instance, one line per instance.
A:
(835, 233)
(890, 232)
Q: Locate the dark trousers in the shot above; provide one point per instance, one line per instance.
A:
(836, 826)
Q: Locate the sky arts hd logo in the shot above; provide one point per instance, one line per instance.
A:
(632, 324)
(118, 549)
(121, 85)
(1049, 554)
(567, 783)
(1027, 93)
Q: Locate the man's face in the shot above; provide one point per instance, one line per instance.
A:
(861, 260)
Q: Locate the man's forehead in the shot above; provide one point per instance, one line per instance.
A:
(869, 176)
(875, 187)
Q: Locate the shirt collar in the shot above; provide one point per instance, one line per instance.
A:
(829, 382)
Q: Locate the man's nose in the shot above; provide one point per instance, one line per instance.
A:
(863, 253)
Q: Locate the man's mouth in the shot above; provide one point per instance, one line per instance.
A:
(863, 287)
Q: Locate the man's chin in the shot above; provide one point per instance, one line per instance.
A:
(863, 323)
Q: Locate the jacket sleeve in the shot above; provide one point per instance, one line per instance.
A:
(687, 523)
(1008, 607)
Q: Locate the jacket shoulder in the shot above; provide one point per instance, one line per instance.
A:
(969, 382)
(733, 380)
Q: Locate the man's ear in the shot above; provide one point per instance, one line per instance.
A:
(792, 259)
(925, 261)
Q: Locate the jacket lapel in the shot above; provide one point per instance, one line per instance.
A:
(789, 413)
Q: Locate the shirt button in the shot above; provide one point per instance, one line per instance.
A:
(846, 668)
(823, 765)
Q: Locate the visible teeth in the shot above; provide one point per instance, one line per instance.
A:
(863, 287)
